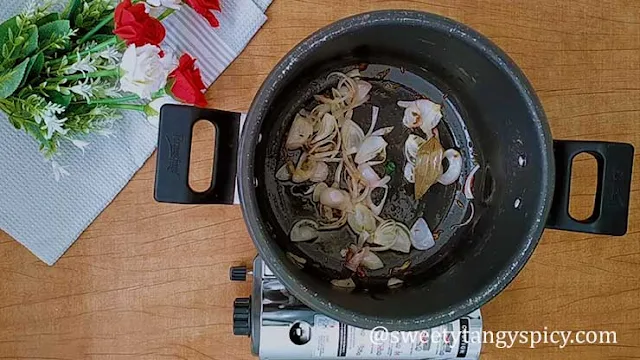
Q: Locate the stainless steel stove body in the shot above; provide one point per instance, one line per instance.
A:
(281, 327)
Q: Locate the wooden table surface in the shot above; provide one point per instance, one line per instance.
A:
(149, 280)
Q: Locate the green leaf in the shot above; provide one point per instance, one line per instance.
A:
(56, 28)
(48, 18)
(10, 80)
(99, 38)
(37, 66)
(72, 9)
(31, 44)
(79, 19)
(59, 98)
(36, 62)
(8, 27)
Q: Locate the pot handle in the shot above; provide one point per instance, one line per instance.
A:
(610, 215)
(174, 153)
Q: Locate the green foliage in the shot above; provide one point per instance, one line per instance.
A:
(19, 39)
(30, 41)
(36, 66)
(48, 18)
(10, 80)
(54, 35)
(93, 11)
(51, 72)
(60, 98)
(72, 9)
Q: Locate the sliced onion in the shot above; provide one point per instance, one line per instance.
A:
(304, 230)
(383, 131)
(393, 283)
(377, 209)
(321, 173)
(327, 127)
(305, 169)
(319, 189)
(335, 199)
(371, 261)
(320, 110)
(428, 166)
(421, 236)
(353, 73)
(344, 283)
(299, 134)
(334, 224)
(283, 174)
(412, 118)
(354, 261)
(468, 184)
(468, 221)
(385, 236)
(352, 137)
(338, 174)
(362, 239)
(362, 95)
(299, 261)
(403, 239)
(370, 175)
(422, 113)
(455, 167)
(371, 147)
(409, 173)
(411, 146)
(374, 119)
(362, 220)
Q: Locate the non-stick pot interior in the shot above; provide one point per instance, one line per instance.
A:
(510, 142)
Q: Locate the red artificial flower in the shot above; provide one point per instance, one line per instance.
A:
(204, 8)
(135, 26)
(185, 82)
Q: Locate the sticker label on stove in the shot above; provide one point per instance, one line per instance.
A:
(334, 340)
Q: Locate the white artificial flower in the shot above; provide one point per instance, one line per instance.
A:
(143, 70)
(80, 144)
(54, 125)
(112, 92)
(58, 170)
(110, 54)
(83, 89)
(171, 4)
(82, 64)
(48, 110)
(153, 109)
(49, 116)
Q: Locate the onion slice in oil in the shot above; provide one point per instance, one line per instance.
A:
(455, 167)
(304, 230)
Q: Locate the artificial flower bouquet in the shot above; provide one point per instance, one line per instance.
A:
(67, 75)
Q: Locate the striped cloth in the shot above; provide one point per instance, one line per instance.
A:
(48, 216)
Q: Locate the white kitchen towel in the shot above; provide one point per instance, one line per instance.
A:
(46, 215)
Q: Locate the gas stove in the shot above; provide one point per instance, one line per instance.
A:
(282, 327)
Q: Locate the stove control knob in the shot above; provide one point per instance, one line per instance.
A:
(242, 317)
(238, 273)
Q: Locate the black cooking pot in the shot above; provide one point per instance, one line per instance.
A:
(491, 114)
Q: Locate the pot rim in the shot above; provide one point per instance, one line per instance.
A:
(260, 106)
